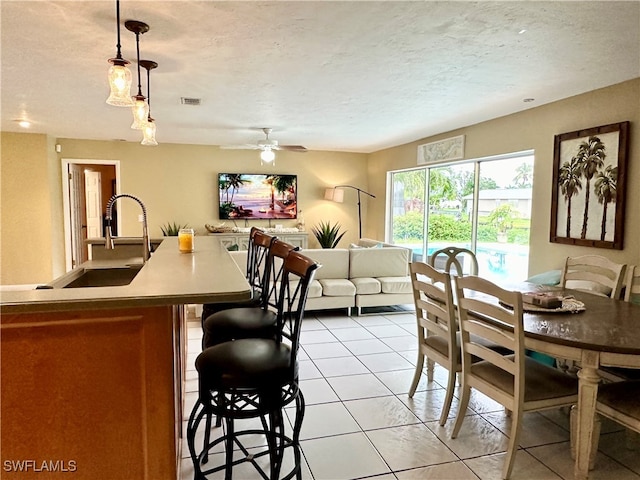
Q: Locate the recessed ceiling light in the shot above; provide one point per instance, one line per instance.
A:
(528, 100)
(24, 123)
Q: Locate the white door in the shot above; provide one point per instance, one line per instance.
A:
(77, 215)
(93, 199)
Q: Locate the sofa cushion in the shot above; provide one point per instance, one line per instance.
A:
(395, 284)
(378, 262)
(337, 287)
(315, 289)
(367, 286)
(334, 261)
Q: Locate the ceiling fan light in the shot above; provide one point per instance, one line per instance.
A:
(140, 111)
(267, 155)
(149, 133)
(119, 84)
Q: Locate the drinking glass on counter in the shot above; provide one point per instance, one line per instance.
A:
(185, 240)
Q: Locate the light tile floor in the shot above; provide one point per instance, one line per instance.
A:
(359, 423)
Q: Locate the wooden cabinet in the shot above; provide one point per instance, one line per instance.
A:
(298, 239)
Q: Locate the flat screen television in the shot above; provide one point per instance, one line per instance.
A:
(249, 196)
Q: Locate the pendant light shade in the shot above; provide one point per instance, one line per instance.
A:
(119, 74)
(140, 108)
(149, 127)
(140, 112)
(120, 85)
(149, 133)
(267, 155)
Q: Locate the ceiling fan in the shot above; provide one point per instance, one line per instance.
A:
(266, 147)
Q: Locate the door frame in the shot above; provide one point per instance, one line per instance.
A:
(66, 203)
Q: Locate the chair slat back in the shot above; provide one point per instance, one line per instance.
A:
(298, 272)
(489, 312)
(433, 299)
(602, 276)
(455, 257)
(277, 254)
(258, 251)
(632, 285)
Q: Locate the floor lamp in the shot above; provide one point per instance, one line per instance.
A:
(336, 195)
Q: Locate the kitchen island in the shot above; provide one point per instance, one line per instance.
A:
(92, 377)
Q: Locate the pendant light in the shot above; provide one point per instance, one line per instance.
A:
(267, 155)
(149, 129)
(119, 74)
(140, 108)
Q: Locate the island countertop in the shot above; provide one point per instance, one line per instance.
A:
(169, 277)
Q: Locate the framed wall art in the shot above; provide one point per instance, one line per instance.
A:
(441, 151)
(588, 193)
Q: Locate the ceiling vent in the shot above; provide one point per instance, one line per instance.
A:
(190, 101)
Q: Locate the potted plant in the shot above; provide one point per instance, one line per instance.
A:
(171, 229)
(327, 235)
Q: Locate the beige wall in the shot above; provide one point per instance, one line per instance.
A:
(535, 129)
(178, 182)
(31, 240)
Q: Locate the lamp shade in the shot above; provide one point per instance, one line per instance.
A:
(334, 195)
(149, 133)
(140, 111)
(120, 85)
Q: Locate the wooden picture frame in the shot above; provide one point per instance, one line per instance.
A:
(589, 186)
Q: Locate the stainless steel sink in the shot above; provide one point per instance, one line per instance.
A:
(103, 277)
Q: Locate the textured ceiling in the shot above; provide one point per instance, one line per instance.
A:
(349, 76)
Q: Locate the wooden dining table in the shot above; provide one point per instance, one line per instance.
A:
(606, 333)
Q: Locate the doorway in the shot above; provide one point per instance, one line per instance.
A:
(87, 186)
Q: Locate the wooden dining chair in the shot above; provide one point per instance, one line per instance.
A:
(455, 257)
(631, 294)
(620, 402)
(436, 320)
(516, 381)
(594, 274)
(632, 285)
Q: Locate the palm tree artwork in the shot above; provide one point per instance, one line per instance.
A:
(590, 157)
(570, 185)
(589, 179)
(606, 185)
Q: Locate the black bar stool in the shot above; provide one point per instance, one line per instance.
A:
(255, 378)
(251, 321)
(259, 244)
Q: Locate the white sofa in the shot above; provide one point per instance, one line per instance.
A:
(360, 277)
(370, 274)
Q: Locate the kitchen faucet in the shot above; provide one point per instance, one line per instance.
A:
(146, 245)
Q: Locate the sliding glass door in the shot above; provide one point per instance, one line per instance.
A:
(483, 205)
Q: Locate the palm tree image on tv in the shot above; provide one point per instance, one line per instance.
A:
(590, 157)
(228, 185)
(257, 196)
(606, 186)
(570, 185)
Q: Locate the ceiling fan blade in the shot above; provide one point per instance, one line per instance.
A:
(247, 146)
(291, 148)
